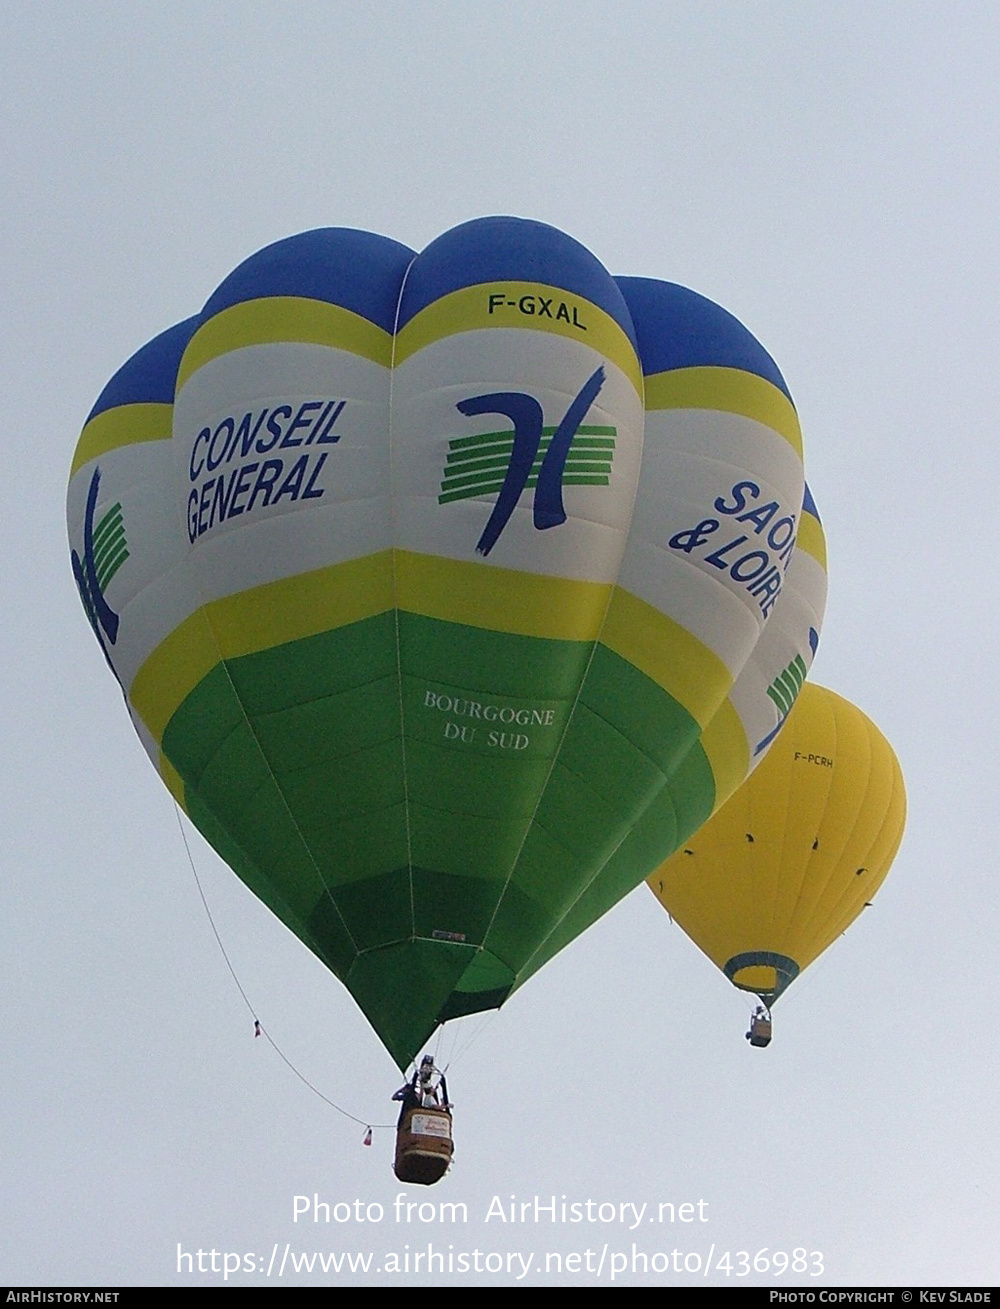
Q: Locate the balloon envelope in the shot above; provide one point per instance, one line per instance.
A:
(423, 576)
(795, 855)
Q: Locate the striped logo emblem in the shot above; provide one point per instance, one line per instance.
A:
(105, 549)
(785, 689)
(529, 457)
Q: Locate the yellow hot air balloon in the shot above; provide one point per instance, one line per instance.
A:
(792, 858)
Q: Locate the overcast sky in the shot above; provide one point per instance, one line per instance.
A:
(829, 173)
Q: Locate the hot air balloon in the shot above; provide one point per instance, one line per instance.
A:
(795, 855)
(424, 577)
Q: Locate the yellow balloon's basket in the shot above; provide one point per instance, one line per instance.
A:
(760, 1032)
(423, 1146)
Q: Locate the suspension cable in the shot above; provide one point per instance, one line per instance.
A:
(258, 1026)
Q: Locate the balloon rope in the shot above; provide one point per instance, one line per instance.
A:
(363, 1122)
(461, 1047)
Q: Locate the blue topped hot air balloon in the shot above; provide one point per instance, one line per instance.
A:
(427, 576)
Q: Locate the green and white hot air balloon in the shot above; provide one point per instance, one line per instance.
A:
(427, 576)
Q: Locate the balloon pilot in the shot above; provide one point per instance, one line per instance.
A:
(426, 1089)
(423, 1131)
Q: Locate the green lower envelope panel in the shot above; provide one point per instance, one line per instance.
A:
(429, 806)
(684, 803)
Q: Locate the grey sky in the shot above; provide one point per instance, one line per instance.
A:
(829, 174)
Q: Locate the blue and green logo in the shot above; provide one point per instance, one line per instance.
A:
(785, 688)
(531, 457)
(104, 551)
